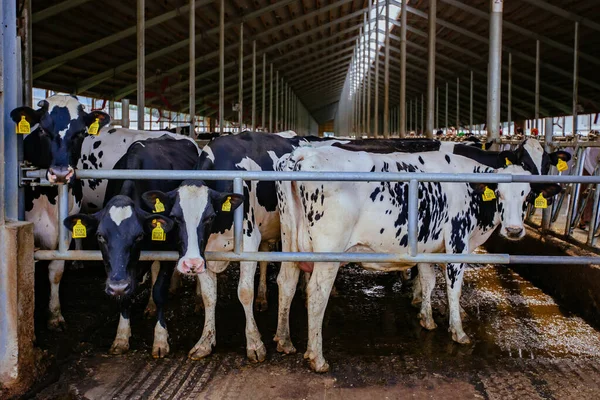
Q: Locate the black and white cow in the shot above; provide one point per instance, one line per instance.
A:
(59, 142)
(372, 217)
(123, 228)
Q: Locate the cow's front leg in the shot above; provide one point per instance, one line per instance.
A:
(427, 279)
(56, 322)
(208, 281)
(261, 298)
(454, 279)
(287, 280)
(255, 349)
(150, 310)
(160, 293)
(121, 343)
(318, 290)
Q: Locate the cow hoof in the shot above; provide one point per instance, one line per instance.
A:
(200, 351)
(160, 349)
(428, 324)
(416, 302)
(57, 324)
(318, 364)
(258, 354)
(261, 305)
(285, 346)
(119, 346)
(461, 338)
(150, 311)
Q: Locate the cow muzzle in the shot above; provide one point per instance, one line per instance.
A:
(514, 232)
(60, 174)
(118, 288)
(191, 266)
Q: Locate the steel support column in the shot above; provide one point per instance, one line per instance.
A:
(253, 85)
(277, 125)
(446, 122)
(264, 94)
(509, 106)
(403, 69)
(192, 57)
(376, 105)
(221, 66)
(471, 103)
(537, 84)
(141, 64)
(431, 67)
(494, 71)
(458, 104)
(422, 113)
(575, 76)
(437, 108)
(386, 74)
(241, 79)
(271, 100)
(369, 71)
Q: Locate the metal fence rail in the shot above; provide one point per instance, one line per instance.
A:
(239, 255)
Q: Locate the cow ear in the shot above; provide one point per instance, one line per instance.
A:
(559, 155)
(479, 188)
(158, 202)
(152, 221)
(509, 156)
(32, 116)
(549, 189)
(226, 202)
(89, 221)
(102, 117)
(488, 144)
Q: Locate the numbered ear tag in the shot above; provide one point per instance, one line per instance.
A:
(159, 207)
(562, 165)
(23, 127)
(226, 204)
(488, 194)
(158, 233)
(507, 161)
(94, 127)
(540, 202)
(79, 230)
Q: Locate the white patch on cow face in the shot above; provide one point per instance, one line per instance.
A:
(120, 214)
(67, 101)
(535, 151)
(512, 196)
(193, 200)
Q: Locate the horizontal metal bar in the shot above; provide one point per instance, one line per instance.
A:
(442, 258)
(320, 176)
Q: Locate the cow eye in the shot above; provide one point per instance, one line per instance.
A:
(101, 238)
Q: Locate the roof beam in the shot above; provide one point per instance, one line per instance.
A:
(56, 9)
(44, 67)
(564, 13)
(525, 32)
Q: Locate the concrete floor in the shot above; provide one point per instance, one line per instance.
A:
(524, 346)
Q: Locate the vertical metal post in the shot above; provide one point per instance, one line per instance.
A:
(422, 113)
(494, 70)
(509, 92)
(580, 157)
(413, 216)
(285, 108)
(125, 121)
(369, 72)
(409, 115)
(141, 64)
(241, 79)
(575, 76)
(271, 101)
(431, 67)
(63, 212)
(365, 67)
(26, 54)
(437, 108)
(457, 104)
(403, 69)
(277, 125)
(4, 130)
(537, 83)
(386, 74)
(221, 67)
(264, 93)
(376, 105)
(238, 218)
(547, 212)
(471, 103)
(594, 221)
(192, 78)
(446, 123)
(253, 85)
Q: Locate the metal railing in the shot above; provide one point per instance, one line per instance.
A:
(239, 255)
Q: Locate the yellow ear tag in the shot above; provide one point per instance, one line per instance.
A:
(488, 194)
(23, 127)
(94, 127)
(540, 202)
(483, 146)
(158, 233)
(507, 161)
(79, 230)
(562, 165)
(226, 204)
(159, 207)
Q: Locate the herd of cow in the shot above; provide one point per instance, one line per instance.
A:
(125, 217)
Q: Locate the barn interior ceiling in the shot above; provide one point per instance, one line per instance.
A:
(88, 47)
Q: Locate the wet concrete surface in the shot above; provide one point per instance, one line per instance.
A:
(524, 345)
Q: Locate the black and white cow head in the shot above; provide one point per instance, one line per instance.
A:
(62, 124)
(531, 155)
(120, 229)
(510, 203)
(198, 211)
